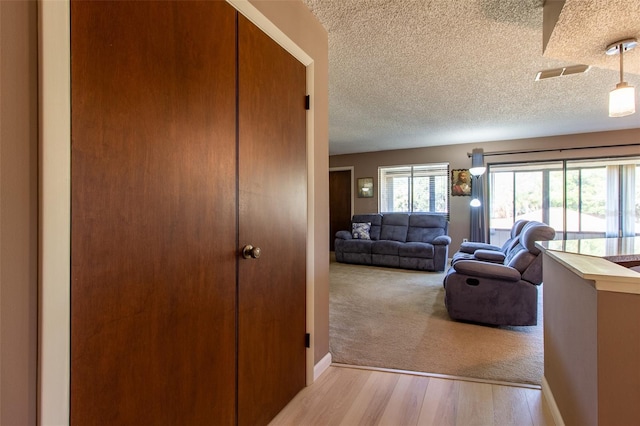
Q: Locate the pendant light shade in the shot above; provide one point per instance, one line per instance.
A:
(622, 100)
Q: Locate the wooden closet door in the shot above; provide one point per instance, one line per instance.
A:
(339, 204)
(154, 235)
(273, 217)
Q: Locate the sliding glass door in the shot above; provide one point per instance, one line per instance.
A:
(586, 198)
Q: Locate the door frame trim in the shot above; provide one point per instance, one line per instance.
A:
(54, 228)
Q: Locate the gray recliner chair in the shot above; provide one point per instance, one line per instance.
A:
(503, 293)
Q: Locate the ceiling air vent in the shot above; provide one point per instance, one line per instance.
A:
(559, 72)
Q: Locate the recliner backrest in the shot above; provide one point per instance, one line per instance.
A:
(517, 240)
(516, 230)
(525, 256)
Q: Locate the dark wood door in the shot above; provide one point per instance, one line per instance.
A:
(339, 203)
(154, 236)
(273, 217)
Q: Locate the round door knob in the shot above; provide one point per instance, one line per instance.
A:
(250, 251)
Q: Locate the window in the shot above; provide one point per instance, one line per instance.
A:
(418, 188)
(579, 198)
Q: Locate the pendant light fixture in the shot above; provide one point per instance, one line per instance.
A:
(622, 100)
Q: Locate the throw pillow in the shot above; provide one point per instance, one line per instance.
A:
(360, 230)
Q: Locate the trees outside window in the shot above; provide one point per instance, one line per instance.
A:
(578, 198)
(416, 188)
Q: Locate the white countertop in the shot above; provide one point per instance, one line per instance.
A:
(594, 260)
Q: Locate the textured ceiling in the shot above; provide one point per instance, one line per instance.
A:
(415, 73)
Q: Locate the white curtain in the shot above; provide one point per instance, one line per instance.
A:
(629, 200)
(621, 198)
(612, 203)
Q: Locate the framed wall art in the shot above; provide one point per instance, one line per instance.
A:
(365, 187)
(460, 182)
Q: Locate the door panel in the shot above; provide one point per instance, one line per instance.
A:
(272, 216)
(339, 203)
(153, 270)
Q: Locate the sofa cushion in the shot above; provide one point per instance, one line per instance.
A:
(360, 230)
(418, 263)
(374, 219)
(387, 260)
(357, 258)
(422, 250)
(424, 235)
(355, 246)
(427, 220)
(386, 247)
(394, 227)
(424, 228)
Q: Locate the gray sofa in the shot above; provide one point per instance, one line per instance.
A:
(398, 240)
(499, 288)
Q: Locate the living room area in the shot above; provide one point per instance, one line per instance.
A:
(367, 164)
(397, 318)
(575, 171)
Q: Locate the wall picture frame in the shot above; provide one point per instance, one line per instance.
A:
(461, 183)
(365, 187)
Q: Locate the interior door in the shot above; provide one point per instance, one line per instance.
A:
(273, 217)
(153, 264)
(339, 203)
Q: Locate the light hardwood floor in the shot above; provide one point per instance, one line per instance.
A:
(355, 396)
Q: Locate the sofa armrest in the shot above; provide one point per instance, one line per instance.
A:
(489, 256)
(471, 247)
(344, 235)
(442, 240)
(480, 269)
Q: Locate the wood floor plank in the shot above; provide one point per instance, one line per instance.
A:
(351, 396)
(305, 402)
(510, 406)
(440, 403)
(540, 412)
(372, 400)
(326, 401)
(405, 402)
(475, 404)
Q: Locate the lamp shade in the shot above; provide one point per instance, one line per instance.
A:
(477, 170)
(475, 203)
(622, 100)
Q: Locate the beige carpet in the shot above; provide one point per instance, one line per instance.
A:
(393, 318)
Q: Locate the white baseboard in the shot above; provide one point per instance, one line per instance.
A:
(551, 402)
(321, 366)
